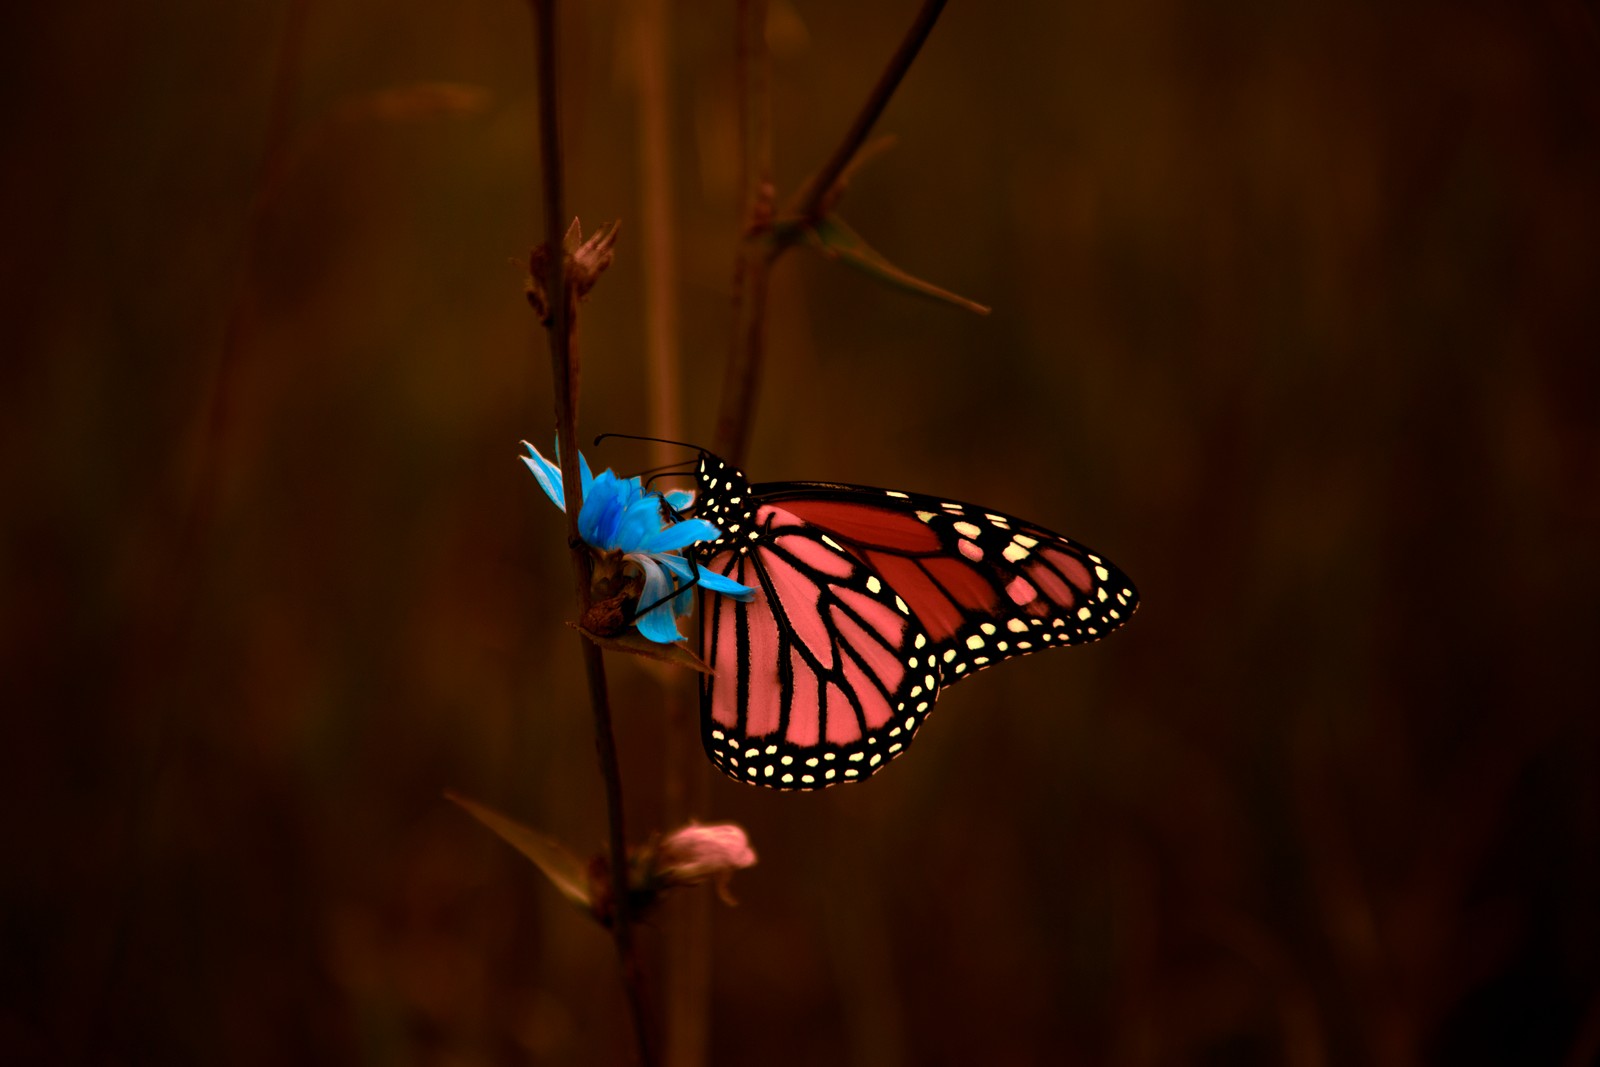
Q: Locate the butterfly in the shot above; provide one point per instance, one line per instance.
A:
(868, 604)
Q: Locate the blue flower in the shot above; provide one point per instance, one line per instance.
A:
(619, 515)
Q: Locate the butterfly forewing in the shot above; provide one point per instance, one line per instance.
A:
(824, 675)
(985, 585)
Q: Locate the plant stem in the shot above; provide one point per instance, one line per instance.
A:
(659, 236)
(742, 384)
(564, 369)
(813, 197)
(757, 249)
(750, 272)
(684, 962)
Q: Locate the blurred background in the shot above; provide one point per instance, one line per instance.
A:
(1296, 317)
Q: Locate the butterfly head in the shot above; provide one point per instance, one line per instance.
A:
(724, 498)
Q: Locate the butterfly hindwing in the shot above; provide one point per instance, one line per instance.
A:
(823, 676)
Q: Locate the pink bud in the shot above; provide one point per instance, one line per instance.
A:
(704, 853)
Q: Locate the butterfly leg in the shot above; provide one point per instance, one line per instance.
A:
(694, 580)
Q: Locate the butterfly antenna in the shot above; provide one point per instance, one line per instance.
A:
(662, 472)
(640, 437)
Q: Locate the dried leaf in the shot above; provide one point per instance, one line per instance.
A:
(566, 872)
(635, 644)
(836, 240)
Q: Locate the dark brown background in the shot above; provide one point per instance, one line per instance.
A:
(1296, 315)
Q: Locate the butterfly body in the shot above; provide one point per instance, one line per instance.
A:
(870, 602)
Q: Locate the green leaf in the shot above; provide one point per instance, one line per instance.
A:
(565, 871)
(636, 644)
(833, 237)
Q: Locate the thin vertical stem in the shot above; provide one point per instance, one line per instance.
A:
(684, 964)
(753, 68)
(659, 237)
(565, 373)
(740, 386)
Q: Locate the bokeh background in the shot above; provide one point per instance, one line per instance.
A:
(1295, 316)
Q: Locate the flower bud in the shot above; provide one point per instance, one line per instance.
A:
(703, 853)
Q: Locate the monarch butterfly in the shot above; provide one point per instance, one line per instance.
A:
(869, 603)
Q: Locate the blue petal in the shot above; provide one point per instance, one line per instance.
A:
(681, 535)
(602, 511)
(660, 626)
(683, 603)
(584, 473)
(710, 580)
(640, 524)
(679, 499)
(716, 583)
(548, 473)
(658, 623)
(676, 564)
(583, 466)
